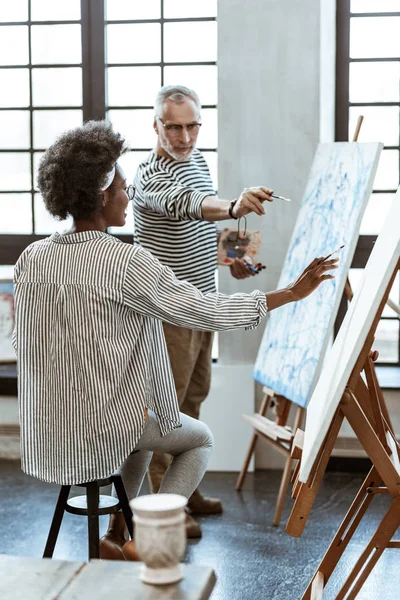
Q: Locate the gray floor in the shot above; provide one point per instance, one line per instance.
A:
(253, 560)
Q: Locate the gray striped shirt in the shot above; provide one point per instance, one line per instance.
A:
(91, 349)
(168, 219)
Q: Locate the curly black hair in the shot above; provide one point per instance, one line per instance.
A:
(74, 168)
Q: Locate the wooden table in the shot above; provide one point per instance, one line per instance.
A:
(23, 578)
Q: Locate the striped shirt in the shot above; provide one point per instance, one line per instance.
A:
(92, 353)
(168, 219)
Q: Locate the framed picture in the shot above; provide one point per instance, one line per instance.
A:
(7, 353)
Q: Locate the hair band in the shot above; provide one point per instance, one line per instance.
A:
(109, 178)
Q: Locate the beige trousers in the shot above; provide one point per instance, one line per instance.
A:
(190, 356)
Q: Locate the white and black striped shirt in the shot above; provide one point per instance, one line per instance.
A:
(168, 219)
(92, 353)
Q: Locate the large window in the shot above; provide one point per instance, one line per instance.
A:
(155, 43)
(368, 78)
(65, 62)
(41, 95)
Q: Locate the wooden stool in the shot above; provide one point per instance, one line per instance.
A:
(91, 505)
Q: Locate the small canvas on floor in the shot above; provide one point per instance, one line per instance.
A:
(342, 357)
(297, 335)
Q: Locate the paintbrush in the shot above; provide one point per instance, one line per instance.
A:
(329, 255)
(280, 197)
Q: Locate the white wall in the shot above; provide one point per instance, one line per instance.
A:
(270, 95)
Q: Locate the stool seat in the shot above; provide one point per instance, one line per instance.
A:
(78, 505)
(91, 505)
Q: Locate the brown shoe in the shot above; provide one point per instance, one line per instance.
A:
(204, 505)
(193, 529)
(111, 548)
(129, 551)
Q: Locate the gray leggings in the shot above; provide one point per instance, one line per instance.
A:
(190, 447)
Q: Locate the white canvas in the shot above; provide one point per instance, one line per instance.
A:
(296, 336)
(348, 344)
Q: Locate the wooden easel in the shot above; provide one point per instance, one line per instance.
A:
(364, 407)
(276, 433)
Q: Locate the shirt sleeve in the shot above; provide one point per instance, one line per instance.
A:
(19, 267)
(153, 290)
(163, 194)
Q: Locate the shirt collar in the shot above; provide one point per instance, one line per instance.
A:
(76, 238)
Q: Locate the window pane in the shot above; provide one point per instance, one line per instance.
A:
(136, 126)
(17, 10)
(387, 176)
(133, 86)
(185, 42)
(385, 77)
(126, 10)
(130, 162)
(48, 124)
(57, 87)
(374, 37)
(14, 49)
(381, 124)
(366, 6)
(48, 10)
(208, 136)
(45, 223)
(14, 86)
(15, 171)
(375, 213)
(387, 340)
(14, 129)
(212, 161)
(202, 80)
(36, 160)
(178, 9)
(134, 43)
(56, 44)
(12, 205)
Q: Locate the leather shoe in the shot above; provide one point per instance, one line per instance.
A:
(204, 505)
(193, 529)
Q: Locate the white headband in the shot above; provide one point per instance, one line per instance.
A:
(108, 179)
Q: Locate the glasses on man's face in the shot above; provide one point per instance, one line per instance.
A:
(130, 191)
(175, 130)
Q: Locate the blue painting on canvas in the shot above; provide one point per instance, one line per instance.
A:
(296, 336)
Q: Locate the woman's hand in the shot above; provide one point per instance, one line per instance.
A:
(312, 277)
(309, 280)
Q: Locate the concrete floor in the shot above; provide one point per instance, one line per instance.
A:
(252, 559)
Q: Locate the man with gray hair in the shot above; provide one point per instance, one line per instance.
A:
(175, 209)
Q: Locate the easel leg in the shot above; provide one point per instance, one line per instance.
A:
(252, 447)
(368, 559)
(286, 474)
(345, 531)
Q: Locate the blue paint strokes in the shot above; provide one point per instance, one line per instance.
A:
(296, 335)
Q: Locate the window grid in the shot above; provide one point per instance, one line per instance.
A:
(343, 105)
(31, 108)
(162, 21)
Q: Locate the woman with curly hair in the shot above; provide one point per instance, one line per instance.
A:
(95, 382)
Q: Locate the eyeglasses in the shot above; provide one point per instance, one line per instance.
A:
(130, 192)
(176, 130)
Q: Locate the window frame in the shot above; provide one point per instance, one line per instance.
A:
(342, 106)
(94, 106)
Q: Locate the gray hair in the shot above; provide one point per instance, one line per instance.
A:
(176, 93)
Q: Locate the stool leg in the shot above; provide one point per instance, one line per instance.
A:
(92, 496)
(56, 522)
(124, 503)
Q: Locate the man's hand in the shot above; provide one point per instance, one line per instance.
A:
(312, 277)
(251, 200)
(239, 270)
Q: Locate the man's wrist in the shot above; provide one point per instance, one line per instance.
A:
(230, 210)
